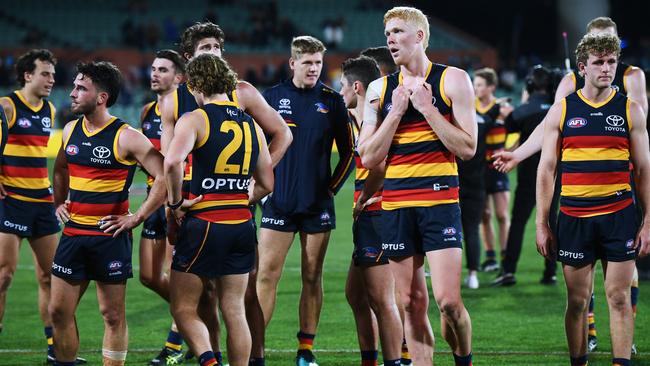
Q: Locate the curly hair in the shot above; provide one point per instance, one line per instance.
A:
(105, 76)
(27, 63)
(192, 35)
(210, 75)
(597, 44)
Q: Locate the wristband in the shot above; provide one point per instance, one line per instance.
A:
(176, 205)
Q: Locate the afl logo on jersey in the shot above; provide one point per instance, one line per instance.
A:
(101, 152)
(449, 231)
(24, 123)
(576, 122)
(614, 120)
(72, 150)
(146, 126)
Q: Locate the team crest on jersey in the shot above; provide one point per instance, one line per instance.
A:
(72, 150)
(629, 244)
(24, 123)
(576, 122)
(321, 108)
(449, 231)
(370, 252)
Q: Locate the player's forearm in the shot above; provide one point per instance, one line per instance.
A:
(532, 145)
(456, 140)
(375, 148)
(61, 186)
(642, 175)
(174, 180)
(155, 199)
(345, 145)
(544, 194)
(374, 181)
(280, 142)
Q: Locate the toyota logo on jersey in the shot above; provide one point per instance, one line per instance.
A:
(101, 152)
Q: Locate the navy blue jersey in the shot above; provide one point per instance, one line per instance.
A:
(224, 162)
(317, 117)
(152, 129)
(471, 172)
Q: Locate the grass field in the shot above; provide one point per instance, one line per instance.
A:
(520, 325)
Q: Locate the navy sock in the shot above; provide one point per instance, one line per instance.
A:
(579, 361)
(463, 360)
(392, 362)
(207, 359)
(256, 362)
(621, 362)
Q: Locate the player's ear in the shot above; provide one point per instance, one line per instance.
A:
(102, 97)
(292, 63)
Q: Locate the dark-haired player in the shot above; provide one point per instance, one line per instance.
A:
(167, 72)
(217, 239)
(202, 38)
(95, 167)
(26, 210)
(382, 56)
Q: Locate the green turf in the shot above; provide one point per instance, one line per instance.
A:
(521, 325)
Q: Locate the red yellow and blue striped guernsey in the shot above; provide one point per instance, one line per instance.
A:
(595, 155)
(99, 177)
(224, 161)
(24, 164)
(420, 170)
(152, 129)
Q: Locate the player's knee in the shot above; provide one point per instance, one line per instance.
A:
(577, 303)
(416, 302)
(6, 276)
(57, 314)
(113, 318)
(312, 278)
(451, 308)
(619, 301)
(356, 298)
(270, 276)
(502, 216)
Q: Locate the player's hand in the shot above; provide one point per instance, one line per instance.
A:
(361, 205)
(643, 240)
(116, 224)
(3, 192)
(172, 227)
(400, 100)
(546, 244)
(180, 212)
(505, 107)
(505, 161)
(62, 213)
(422, 98)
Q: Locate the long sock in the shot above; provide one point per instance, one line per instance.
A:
(490, 254)
(406, 356)
(579, 361)
(218, 356)
(305, 343)
(207, 359)
(621, 362)
(59, 363)
(369, 358)
(50, 341)
(463, 360)
(257, 362)
(590, 317)
(392, 363)
(174, 341)
(634, 291)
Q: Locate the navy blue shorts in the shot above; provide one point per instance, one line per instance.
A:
(417, 230)
(27, 219)
(90, 257)
(310, 223)
(495, 181)
(367, 239)
(583, 240)
(211, 250)
(155, 226)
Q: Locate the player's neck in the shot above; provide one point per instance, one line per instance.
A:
(30, 97)
(162, 94)
(215, 98)
(358, 110)
(97, 119)
(595, 94)
(416, 67)
(486, 100)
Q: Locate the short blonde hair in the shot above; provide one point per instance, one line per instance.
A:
(306, 44)
(598, 45)
(413, 16)
(601, 23)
